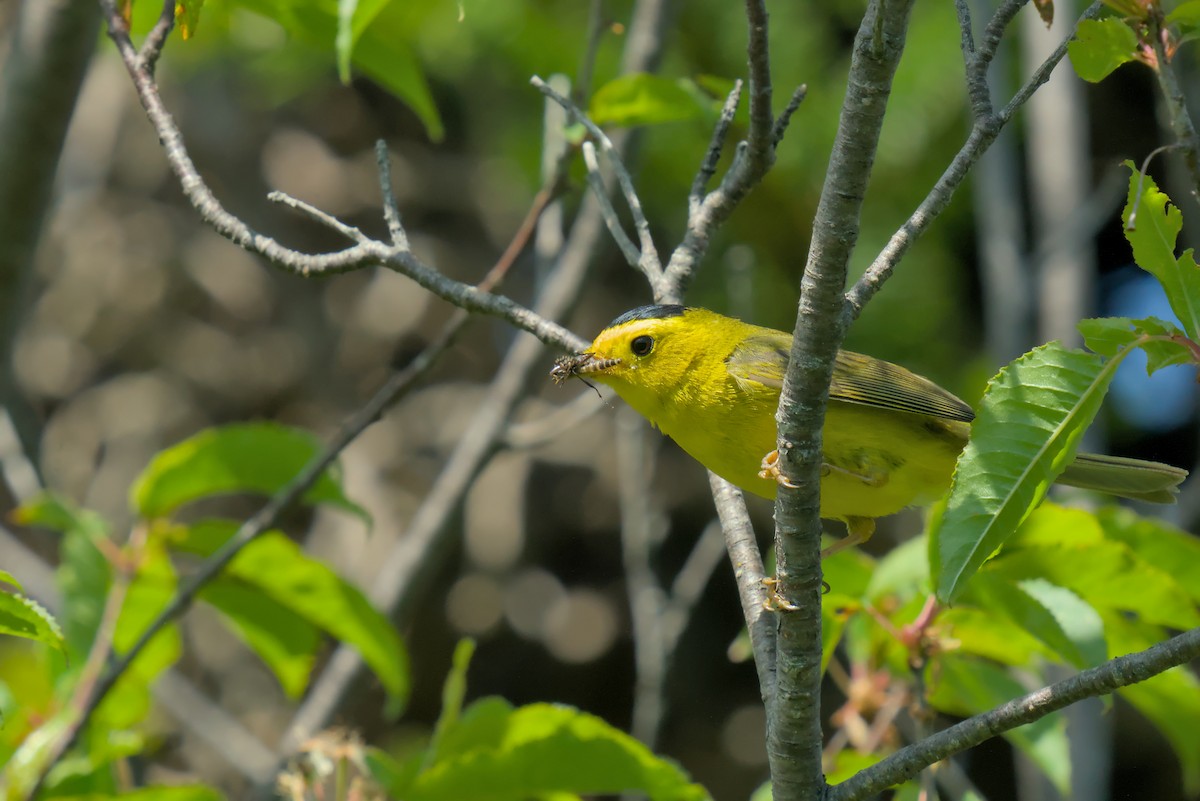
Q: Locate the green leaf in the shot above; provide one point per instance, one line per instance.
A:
(24, 617)
(278, 568)
(8, 578)
(285, 641)
(1170, 700)
(1169, 549)
(344, 42)
(1067, 547)
(965, 686)
(989, 634)
(643, 99)
(379, 46)
(835, 611)
(246, 457)
(187, 17)
(454, 690)
(1021, 604)
(1108, 335)
(544, 748)
(1100, 46)
(148, 594)
(1030, 421)
(1155, 231)
(84, 577)
(903, 572)
(1185, 15)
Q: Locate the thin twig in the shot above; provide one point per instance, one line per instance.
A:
(394, 256)
(1100, 680)
(157, 37)
(750, 575)
(983, 133)
(648, 261)
(391, 212)
(716, 144)
(315, 214)
(596, 181)
(1175, 103)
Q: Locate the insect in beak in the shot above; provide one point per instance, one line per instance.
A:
(568, 367)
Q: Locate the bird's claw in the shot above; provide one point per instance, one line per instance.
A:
(770, 470)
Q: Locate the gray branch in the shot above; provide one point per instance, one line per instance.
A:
(1100, 680)
(794, 736)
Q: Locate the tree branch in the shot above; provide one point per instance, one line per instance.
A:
(395, 255)
(794, 739)
(983, 132)
(1100, 680)
(51, 45)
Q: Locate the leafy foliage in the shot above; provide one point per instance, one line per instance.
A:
(1029, 424)
(499, 752)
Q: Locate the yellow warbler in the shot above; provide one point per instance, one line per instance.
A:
(891, 437)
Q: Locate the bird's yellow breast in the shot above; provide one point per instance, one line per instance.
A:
(879, 462)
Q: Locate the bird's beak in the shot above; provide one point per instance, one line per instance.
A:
(568, 367)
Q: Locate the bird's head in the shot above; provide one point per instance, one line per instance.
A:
(650, 354)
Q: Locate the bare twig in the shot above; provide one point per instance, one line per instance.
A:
(391, 212)
(315, 214)
(716, 144)
(983, 133)
(596, 182)
(1175, 104)
(750, 575)
(394, 256)
(647, 261)
(1100, 680)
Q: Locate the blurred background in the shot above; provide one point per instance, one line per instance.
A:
(138, 325)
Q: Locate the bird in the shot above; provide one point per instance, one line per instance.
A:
(891, 437)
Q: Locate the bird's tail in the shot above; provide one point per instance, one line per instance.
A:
(1127, 478)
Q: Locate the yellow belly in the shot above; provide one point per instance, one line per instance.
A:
(879, 461)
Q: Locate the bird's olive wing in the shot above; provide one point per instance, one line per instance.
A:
(856, 379)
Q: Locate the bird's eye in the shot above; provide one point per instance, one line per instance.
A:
(641, 345)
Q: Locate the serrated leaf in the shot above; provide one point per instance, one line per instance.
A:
(286, 642)
(245, 457)
(1100, 46)
(1170, 700)
(1019, 604)
(966, 686)
(982, 632)
(24, 617)
(1107, 335)
(1155, 232)
(1169, 549)
(1067, 547)
(1028, 427)
(643, 99)
(276, 566)
(544, 748)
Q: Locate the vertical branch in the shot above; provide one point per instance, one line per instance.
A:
(52, 44)
(794, 741)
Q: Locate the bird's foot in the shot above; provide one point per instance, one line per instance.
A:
(770, 470)
(776, 602)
